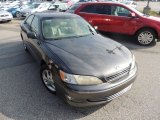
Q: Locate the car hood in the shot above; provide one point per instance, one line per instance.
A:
(4, 12)
(92, 55)
(153, 18)
(26, 10)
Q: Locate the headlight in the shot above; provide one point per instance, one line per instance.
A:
(133, 62)
(79, 79)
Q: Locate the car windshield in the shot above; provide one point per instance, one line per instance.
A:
(33, 6)
(58, 28)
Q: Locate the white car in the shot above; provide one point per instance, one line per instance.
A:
(9, 4)
(58, 6)
(5, 16)
(35, 7)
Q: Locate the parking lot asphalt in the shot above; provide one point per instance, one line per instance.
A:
(23, 96)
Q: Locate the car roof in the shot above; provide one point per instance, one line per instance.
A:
(91, 3)
(46, 14)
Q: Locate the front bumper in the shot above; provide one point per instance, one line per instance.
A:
(5, 18)
(94, 95)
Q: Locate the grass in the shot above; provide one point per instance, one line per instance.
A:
(154, 13)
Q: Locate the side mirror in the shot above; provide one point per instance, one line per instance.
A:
(31, 35)
(132, 15)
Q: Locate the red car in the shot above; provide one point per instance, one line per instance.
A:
(119, 18)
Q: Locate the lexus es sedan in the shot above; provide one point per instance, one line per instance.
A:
(78, 64)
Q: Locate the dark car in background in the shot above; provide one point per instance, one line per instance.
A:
(78, 64)
(115, 17)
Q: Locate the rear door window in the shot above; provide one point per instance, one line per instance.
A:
(89, 9)
(98, 9)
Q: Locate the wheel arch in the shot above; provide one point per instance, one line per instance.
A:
(147, 28)
(42, 62)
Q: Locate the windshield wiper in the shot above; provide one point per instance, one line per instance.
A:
(91, 30)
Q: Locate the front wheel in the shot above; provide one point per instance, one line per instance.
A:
(18, 15)
(47, 78)
(146, 37)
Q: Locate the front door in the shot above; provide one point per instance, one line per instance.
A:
(120, 21)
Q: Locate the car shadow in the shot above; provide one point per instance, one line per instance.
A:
(128, 41)
(23, 95)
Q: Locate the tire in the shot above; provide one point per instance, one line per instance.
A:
(18, 15)
(49, 84)
(146, 37)
(9, 21)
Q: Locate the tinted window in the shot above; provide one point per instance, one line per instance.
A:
(89, 9)
(34, 25)
(120, 11)
(29, 19)
(99, 9)
(103, 9)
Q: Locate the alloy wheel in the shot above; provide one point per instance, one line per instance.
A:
(18, 14)
(47, 78)
(145, 38)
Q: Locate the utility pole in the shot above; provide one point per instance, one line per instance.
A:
(147, 8)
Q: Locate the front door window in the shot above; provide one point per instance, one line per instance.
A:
(120, 11)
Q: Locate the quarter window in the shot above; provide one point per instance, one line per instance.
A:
(29, 20)
(34, 25)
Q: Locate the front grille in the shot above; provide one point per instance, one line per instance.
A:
(118, 75)
(4, 15)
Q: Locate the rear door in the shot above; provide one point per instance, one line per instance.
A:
(95, 14)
